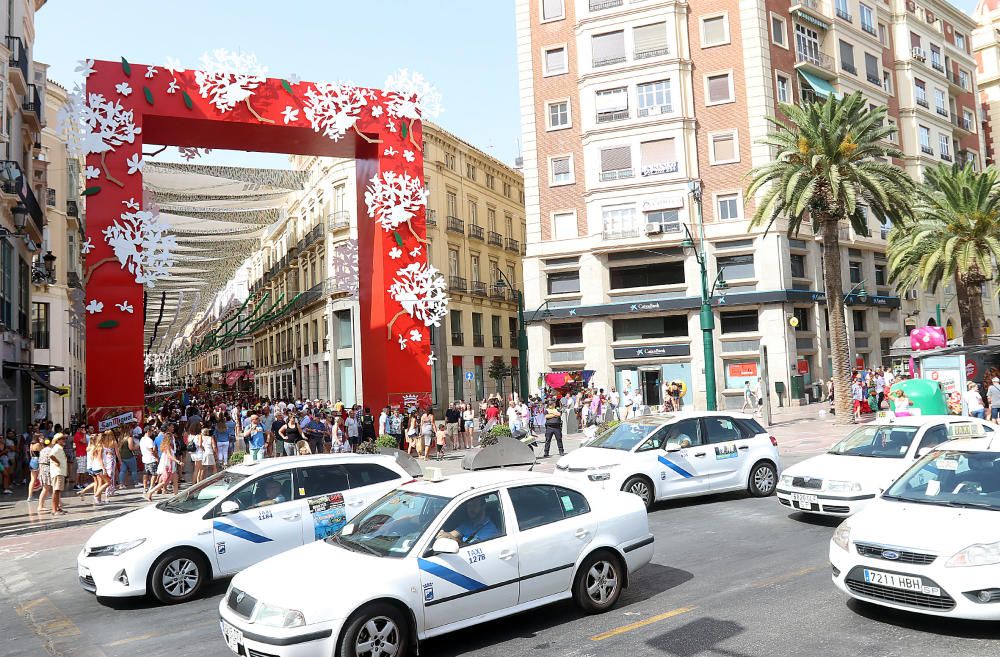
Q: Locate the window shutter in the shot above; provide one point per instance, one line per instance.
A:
(614, 159)
(609, 46)
(715, 30)
(724, 147)
(871, 66)
(560, 166)
(914, 40)
(555, 60)
(650, 38)
(718, 88)
(552, 9)
(656, 152)
(612, 100)
(846, 53)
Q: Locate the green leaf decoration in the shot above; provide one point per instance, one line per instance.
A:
(399, 240)
(148, 94)
(126, 67)
(288, 87)
(90, 191)
(187, 100)
(402, 129)
(109, 323)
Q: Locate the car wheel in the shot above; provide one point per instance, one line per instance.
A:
(763, 479)
(179, 575)
(379, 630)
(641, 487)
(598, 582)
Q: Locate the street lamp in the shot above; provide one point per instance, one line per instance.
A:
(20, 214)
(522, 334)
(707, 316)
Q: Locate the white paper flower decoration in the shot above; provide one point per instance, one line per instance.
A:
(416, 335)
(131, 204)
(390, 152)
(415, 251)
(395, 253)
(393, 199)
(84, 67)
(172, 87)
(333, 108)
(376, 111)
(87, 247)
(91, 172)
(294, 78)
(93, 124)
(141, 245)
(95, 307)
(430, 359)
(228, 78)
(290, 114)
(123, 89)
(390, 126)
(420, 289)
(135, 163)
(173, 65)
(411, 96)
(408, 156)
(125, 307)
(402, 343)
(151, 71)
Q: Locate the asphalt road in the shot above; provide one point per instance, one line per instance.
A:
(732, 576)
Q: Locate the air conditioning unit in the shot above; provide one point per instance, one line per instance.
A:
(919, 54)
(654, 229)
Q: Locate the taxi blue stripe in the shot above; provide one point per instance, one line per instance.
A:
(239, 532)
(673, 466)
(449, 575)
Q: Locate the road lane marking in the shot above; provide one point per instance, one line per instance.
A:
(122, 642)
(764, 583)
(643, 623)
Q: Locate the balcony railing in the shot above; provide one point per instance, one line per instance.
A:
(478, 288)
(657, 169)
(937, 66)
(943, 111)
(946, 157)
(622, 232)
(617, 174)
(923, 102)
(598, 5)
(498, 341)
(72, 209)
(457, 284)
(652, 52)
(477, 232)
(457, 339)
(927, 149)
(456, 225)
(340, 220)
(513, 340)
(513, 245)
(848, 68)
(816, 58)
(478, 340)
(961, 122)
(32, 102)
(18, 55)
(870, 29)
(73, 280)
(653, 110)
(611, 117)
(498, 292)
(431, 217)
(608, 61)
(843, 14)
(495, 239)
(874, 79)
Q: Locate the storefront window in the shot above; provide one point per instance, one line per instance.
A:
(740, 371)
(640, 328)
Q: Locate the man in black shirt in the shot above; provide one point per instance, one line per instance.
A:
(451, 419)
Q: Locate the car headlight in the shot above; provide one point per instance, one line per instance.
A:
(114, 549)
(786, 480)
(842, 536)
(976, 555)
(843, 486)
(275, 616)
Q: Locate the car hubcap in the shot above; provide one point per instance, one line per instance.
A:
(602, 581)
(640, 489)
(379, 637)
(180, 577)
(763, 479)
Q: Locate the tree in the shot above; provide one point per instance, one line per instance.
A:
(499, 371)
(829, 164)
(956, 236)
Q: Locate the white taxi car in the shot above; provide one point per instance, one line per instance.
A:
(931, 542)
(436, 556)
(659, 457)
(849, 476)
(235, 518)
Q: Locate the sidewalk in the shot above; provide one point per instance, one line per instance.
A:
(800, 432)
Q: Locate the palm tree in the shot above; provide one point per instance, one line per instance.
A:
(956, 236)
(829, 164)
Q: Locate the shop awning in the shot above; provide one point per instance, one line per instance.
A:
(818, 84)
(812, 20)
(35, 371)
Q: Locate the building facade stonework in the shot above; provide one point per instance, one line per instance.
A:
(639, 117)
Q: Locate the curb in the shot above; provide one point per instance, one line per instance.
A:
(61, 524)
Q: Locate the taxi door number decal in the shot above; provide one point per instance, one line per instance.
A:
(727, 451)
(476, 555)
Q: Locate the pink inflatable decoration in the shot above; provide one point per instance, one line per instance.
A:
(928, 337)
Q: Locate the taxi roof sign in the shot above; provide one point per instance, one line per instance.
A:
(885, 417)
(966, 430)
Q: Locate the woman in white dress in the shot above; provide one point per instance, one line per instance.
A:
(208, 451)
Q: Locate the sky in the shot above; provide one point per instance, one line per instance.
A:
(465, 48)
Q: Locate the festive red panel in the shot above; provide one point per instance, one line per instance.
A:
(125, 105)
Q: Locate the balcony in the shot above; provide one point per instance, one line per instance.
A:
(816, 62)
(497, 341)
(431, 217)
(955, 85)
(477, 233)
(622, 232)
(478, 288)
(73, 280)
(32, 107)
(310, 238)
(498, 292)
(870, 29)
(457, 284)
(848, 68)
(617, 174)
(874, 79)
(658, 169)
(611, 60)
(843, 14)
(337, 221)
(946, 157)
(927, 150)
(923, 102)
(495, 239)
(611, 117)
(653, 110)
(18, 62)
(938, 66)
(813, 12)
(513, 340)
(513, 245)
(599, 5)
(478, 340)
(962, 123)
(653, 52)
(918, 54)
(457, 339)
(72, 209)
(456, 225)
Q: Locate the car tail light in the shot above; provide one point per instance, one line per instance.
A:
(774, 441)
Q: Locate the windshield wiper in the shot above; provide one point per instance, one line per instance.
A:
(977, 505)
(350, 545)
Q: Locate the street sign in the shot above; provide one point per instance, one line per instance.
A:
(65, 391)
(469, 376)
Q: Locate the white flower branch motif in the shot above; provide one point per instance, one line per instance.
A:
(402, 343)
(408, 156)
(395, 253)
(123, 89)
(420, 289)
(411, 97)
(125, 307)
(416, 335)
(173, 65)
(228, 78)
(93, 124)
(141, 245)
(134, 163)
(87, 247)
(172, 87)
(393, 199)
(95, 307)
(131, 204)
(290, 114)
(91, 172)
(84, 67)
(333, 108)
(151, 71)
(376, 111)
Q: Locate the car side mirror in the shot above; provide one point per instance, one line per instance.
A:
(445, 546)
(228, 507)
(347, 529)
(671, 447)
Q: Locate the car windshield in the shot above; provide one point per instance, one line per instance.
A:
(202, 493)
(625, 436)
(874, 441)
(391, 526)
(951, 478)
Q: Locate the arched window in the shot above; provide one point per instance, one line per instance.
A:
(931, 322)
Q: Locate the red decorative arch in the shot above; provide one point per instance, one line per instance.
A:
(382, 132)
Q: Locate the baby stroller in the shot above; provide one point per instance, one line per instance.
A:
(525, 437)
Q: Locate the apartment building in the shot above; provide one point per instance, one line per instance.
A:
(57, 328)
(986, 49)
(641, 116)
(22, 219)
(475, 225)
